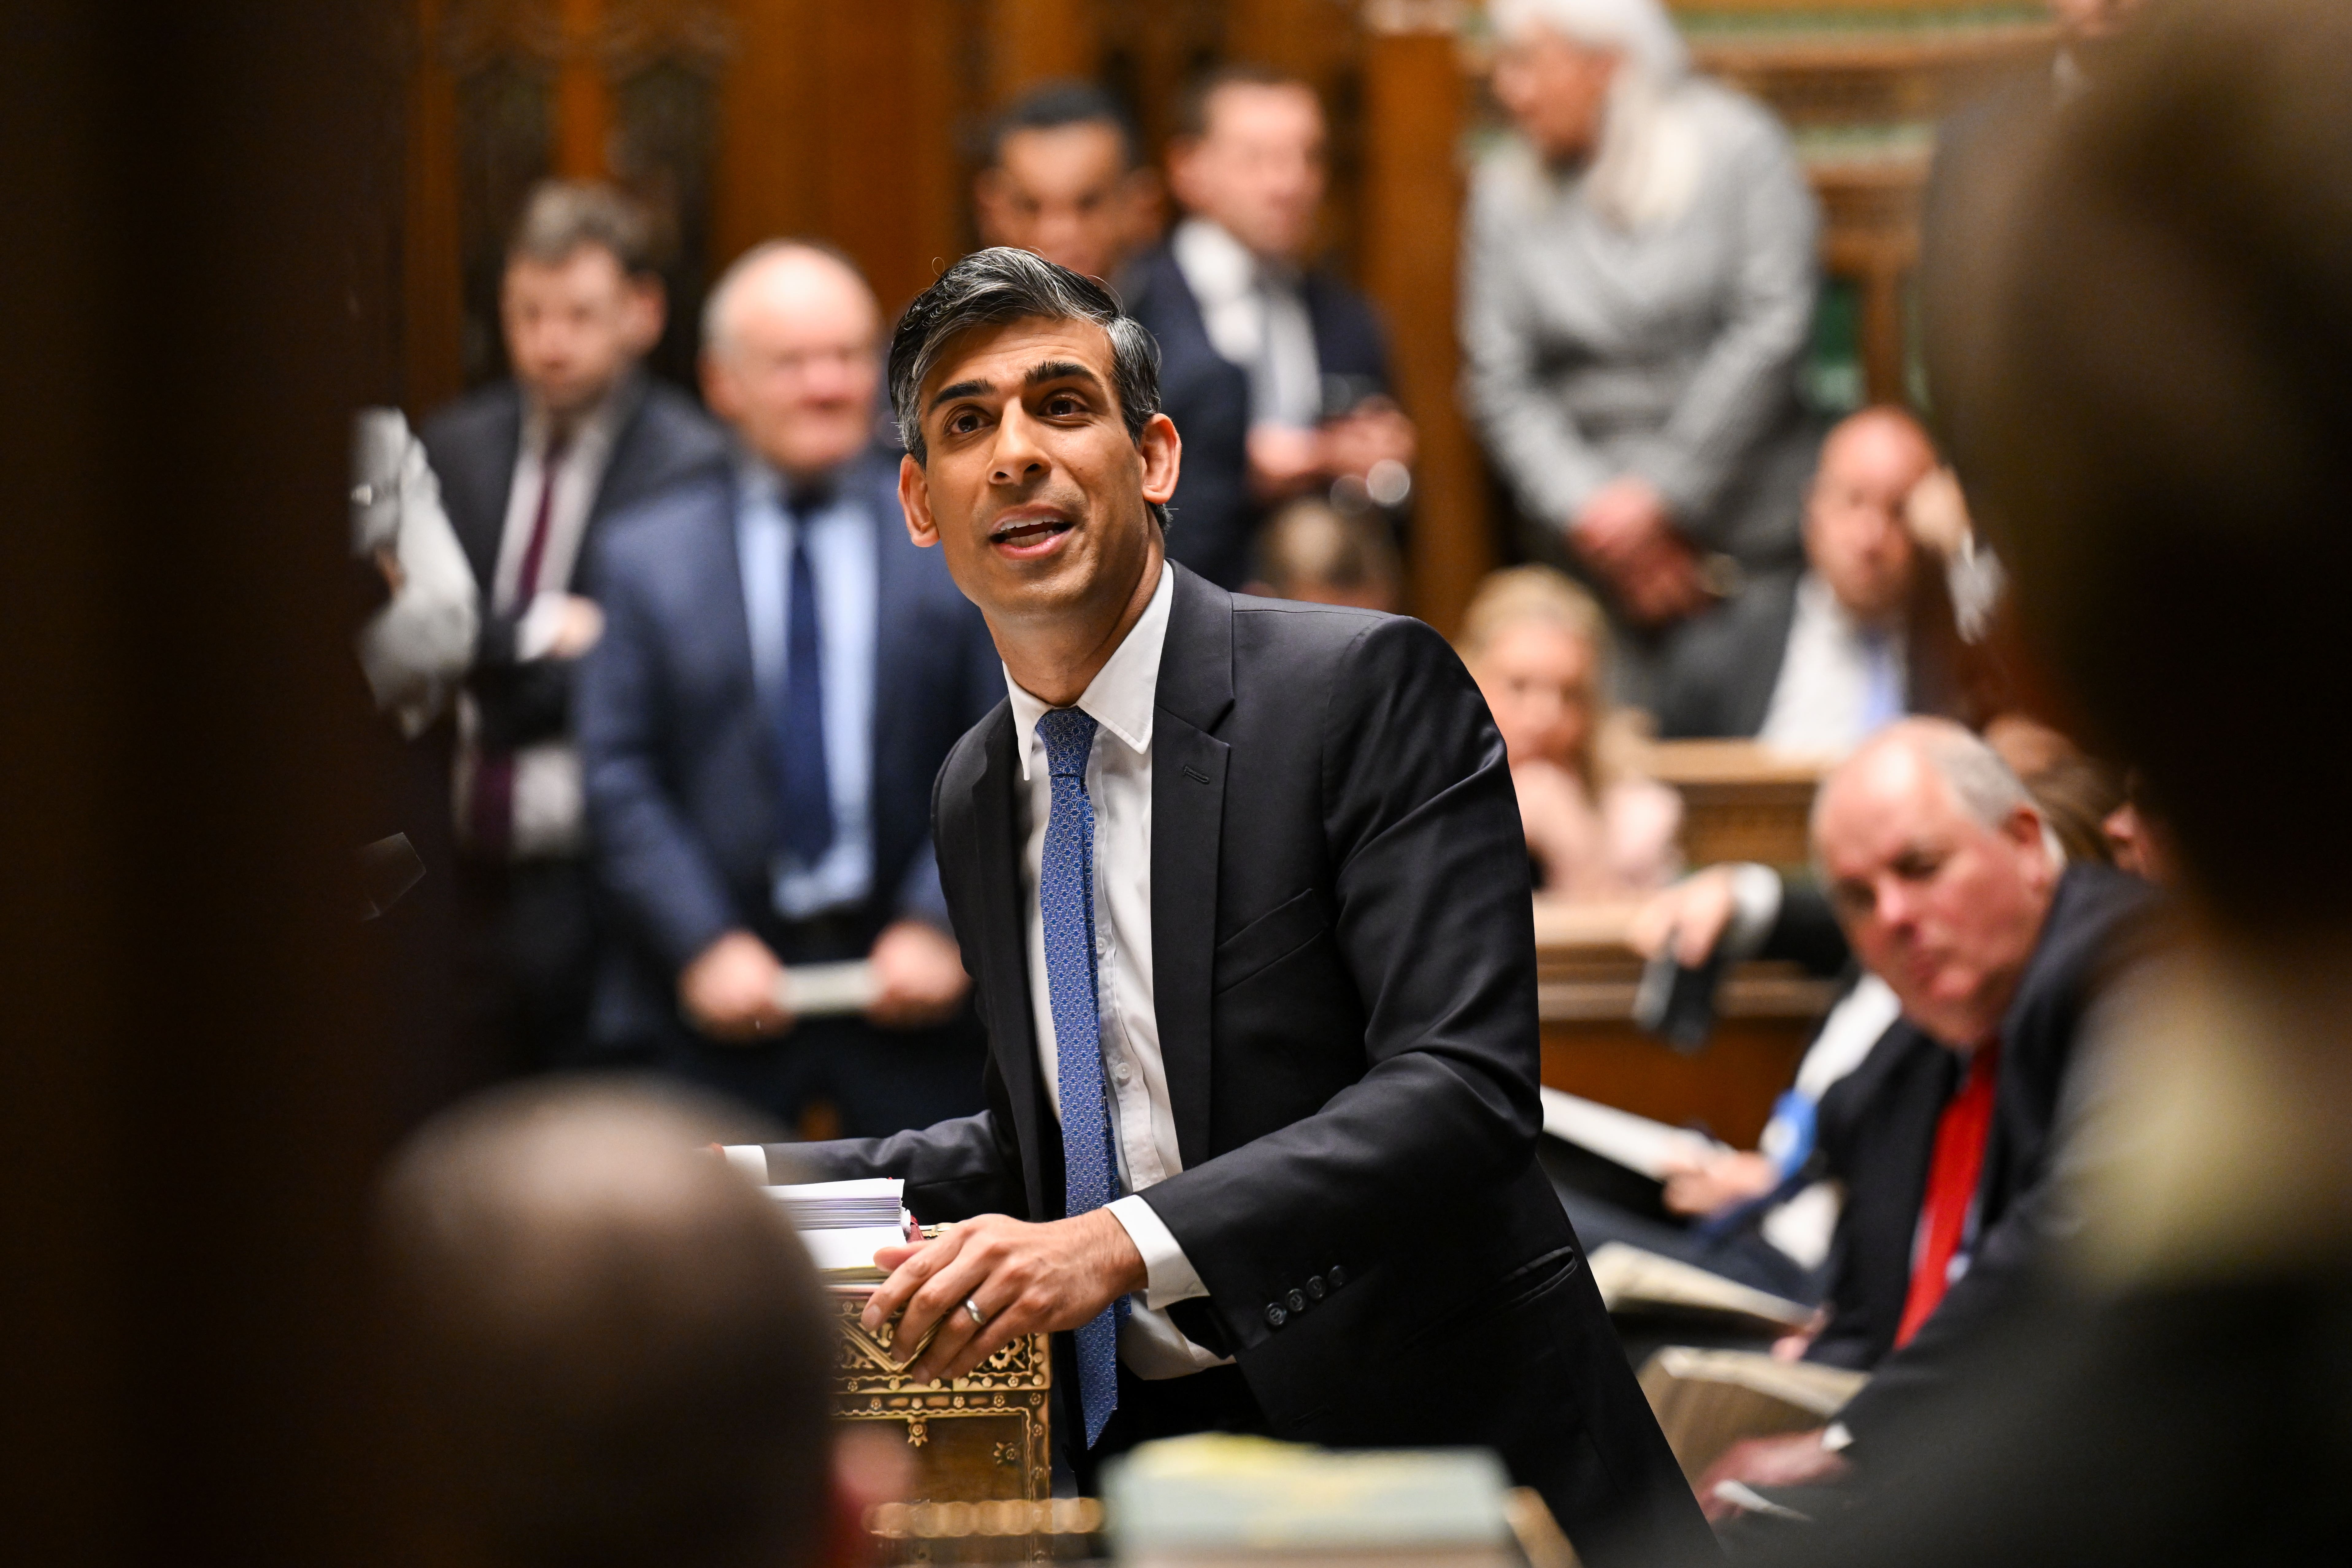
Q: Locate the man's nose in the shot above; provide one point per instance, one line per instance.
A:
(1017, 456)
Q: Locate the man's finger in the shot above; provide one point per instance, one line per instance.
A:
(940, 1300)
(907, 1276)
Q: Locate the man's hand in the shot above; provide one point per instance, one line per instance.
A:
(919, 977)
(1661, 582)
(1375, 431)
(1694, 913)
(1618, 521)
(1788, 1459)
(728, 992)
(577, 628)
(1023, 1280)
(1283, 461)
(1701, 1180)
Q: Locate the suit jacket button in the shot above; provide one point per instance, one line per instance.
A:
(1298, 1302)
(1315, 1285)
(1336, 1274)
(1275, 1316)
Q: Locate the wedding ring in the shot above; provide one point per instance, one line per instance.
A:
(973, 1307)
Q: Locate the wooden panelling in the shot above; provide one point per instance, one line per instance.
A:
(1412, 187)
(584, 101)
(432, 304)
(1032, 41)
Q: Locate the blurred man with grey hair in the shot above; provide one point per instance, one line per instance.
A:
(617, 1351)
(1950, 889)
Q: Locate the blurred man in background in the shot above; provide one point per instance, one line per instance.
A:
(1275, 373)
(782, 675)
(1817, 662)
(530, 469)
(619, 1353)
(1066, 180)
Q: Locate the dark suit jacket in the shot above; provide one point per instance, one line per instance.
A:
(1343, 969)
(1207, 395)
(1877, 1132)
(678, 753)
(1720, 677)
(473, 445)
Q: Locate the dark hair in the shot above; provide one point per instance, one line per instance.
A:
(990, 288)
(560, 217)
(1055, 104)
(1193, 107)
(2160, 431)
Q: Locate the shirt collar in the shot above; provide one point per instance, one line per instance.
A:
(1218, 268)
(592, 428)
(760, 484)
(1123, 693)
(1816, 601)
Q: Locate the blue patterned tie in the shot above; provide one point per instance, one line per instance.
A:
(805, 805)
(1065, 899)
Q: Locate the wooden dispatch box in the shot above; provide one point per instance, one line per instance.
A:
(981, 1439)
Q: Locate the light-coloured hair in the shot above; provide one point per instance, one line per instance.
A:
(562, 217)
(718, 308)
(1309, 542)
(1639, 29)
(1517, 594)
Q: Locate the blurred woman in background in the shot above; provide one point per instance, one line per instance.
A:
(1639, 283)
(1539, 646)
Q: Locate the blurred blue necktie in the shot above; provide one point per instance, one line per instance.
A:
(1882, 693)
(1065, 899)
(804, 805)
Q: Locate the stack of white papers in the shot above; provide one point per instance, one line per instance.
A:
(843, 1224)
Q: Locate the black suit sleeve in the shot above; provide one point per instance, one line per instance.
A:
(1431, 919)
(1806, 931)
(953, 1170)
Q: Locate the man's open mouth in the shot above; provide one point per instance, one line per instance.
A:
(1029, 530)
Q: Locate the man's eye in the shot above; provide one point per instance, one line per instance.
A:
(963, 420)
(1064, 403)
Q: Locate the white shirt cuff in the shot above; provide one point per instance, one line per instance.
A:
(749, 1157)
(535, 633)
(1756, 893)
(1835, 1438)
(1167, 1273)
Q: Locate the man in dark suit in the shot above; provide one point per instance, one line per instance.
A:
(782, 673)
(1816, 661)
(1276, 371)
(1939, 867)
(1243, 893)
(530, 470)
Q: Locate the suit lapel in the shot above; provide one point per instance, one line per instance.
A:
(1004, 944)
(1188, 803)
(895, 643)
(483, 519)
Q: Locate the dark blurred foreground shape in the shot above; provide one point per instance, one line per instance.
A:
(2160, 428)
(199, 252)
(621, 1354)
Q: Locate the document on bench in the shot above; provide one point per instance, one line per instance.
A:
(825, 990)
(1636, 1142)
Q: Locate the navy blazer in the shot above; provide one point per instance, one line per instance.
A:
(1207, 395)
(473, 444)
(679, 755)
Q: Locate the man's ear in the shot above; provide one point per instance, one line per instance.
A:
(988, 205)
(648, 311)
(1163, 456)
(915, 501)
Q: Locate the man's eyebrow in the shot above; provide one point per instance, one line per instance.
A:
(960, 389)
(1060, 369)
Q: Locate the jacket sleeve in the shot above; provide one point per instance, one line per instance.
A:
(646, 853)
(953, 1170)
(1745, 380)
(1552, 467)
(1431, 917)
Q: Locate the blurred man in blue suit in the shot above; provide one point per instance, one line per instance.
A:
(781, 674)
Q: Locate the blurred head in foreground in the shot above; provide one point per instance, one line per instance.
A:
(1936, 863)
(2161, 435)
(1063, 179)
(1313, 551)
(621, 1355)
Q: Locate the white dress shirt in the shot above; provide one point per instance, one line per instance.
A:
(1824, 702)
(1121, 700)
(549, 803)
(1257, 317)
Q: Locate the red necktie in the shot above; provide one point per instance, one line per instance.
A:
(1952, 1176)
(493, 795)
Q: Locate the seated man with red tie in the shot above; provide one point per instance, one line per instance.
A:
(1951, 890)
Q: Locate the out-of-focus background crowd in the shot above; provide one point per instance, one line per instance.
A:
(1887, 481)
